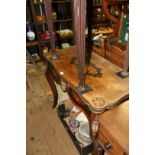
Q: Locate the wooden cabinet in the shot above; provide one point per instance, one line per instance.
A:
(36, 21)
(33, 45)
(113, 134)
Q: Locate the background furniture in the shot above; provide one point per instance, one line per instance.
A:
(99, 18)
(115, 46)
(36, 20)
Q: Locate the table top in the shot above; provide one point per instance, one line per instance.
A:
(115, 123)
(109, 88)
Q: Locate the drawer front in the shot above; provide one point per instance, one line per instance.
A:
(109, 145)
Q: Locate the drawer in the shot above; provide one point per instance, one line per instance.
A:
(109, 145)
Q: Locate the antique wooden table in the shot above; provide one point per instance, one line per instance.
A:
(106, 99)
(114, 130)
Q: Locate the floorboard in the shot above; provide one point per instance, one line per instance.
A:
(45, 133)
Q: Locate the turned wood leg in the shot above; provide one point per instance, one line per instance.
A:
(52, 86)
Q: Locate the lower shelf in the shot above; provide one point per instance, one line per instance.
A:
(82, 150)
(31, 43)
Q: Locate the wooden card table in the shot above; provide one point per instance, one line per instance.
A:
(110, 88)
(107, 90)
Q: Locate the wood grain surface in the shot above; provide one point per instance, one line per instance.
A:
(109, 87)
(114, 126)
(45, 133)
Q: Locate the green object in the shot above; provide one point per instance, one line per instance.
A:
(123, 36)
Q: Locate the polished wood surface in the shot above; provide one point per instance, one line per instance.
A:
(110, 87)
(114, 129)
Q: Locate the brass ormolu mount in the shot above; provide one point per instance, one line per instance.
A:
(91, 70)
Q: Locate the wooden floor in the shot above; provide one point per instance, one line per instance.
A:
(45, 133)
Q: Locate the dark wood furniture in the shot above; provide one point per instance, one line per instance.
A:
(115, 46)
(108, 91)
(114, 130)
(39, 24)
(93, 85)
(99, 18)
(34, 45)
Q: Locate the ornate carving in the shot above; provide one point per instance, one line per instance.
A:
(98, 101)
(75, 97)
(78, 101)
(95, 127)
(63, 83)
(93, 70)
(63, 86)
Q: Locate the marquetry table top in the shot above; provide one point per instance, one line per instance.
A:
(107, 90)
